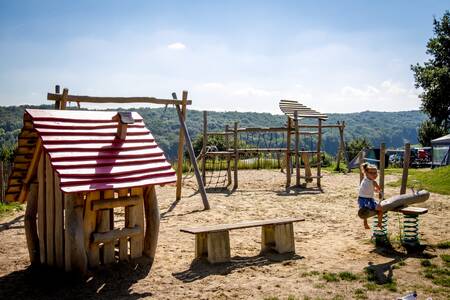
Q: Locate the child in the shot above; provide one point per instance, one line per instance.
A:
(366, 191)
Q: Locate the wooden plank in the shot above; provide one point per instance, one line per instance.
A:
(284, 238)
(123, 241)
(59, 223)
(108, 247)
(50, 212)
(412, 210)
(89, 224)
(248, 224)
(406, 160)
(63, 99)
(41, 210)
(137, 213)
(201, 245)
(218, 246)
(89, 99)
(308, 174)
(31, 226)
(152, 221)
(180, 153)
(227, 146)
(115, 202)
(116, 234)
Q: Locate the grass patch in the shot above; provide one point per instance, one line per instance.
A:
(425, 263)
(348, 276)
(330, 277)
(338, 297)
(312, 273)
(434, 180)
(443, 245)
(371, 286)
(439, 275)
(391, 286)
(360, 294)
(9, 208)
(446, 259)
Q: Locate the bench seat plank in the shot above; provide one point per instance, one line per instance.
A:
(412, 210)
(249, 224)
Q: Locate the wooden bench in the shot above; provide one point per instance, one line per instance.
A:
(213, 241)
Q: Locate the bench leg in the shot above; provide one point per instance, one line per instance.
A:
(218, 246)
(278, 237)
(201, 245)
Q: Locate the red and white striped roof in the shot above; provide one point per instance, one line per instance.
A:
(87, 156)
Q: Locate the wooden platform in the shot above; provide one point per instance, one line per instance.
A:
(213, 241)
(411, 210)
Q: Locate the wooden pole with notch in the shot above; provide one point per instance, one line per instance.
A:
(181, 147)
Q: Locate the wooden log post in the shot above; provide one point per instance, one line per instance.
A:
(360, 162)
(288, 152)
(106, 222)
(59, 222)
(340, 152)
(75, 259)
(204, 144)
(297, 140)
(137, 242)
(181, 147)
(90, 222)
(236, 155)
(152, 221)
(201, 185)
(57, 102)
(218, 246)
(227, 146)
(31, 225)
(406, 160)
(344, 147)
(64, 96)
(319, 154)
(382, 166)
(41, 210)
(123, 242)
(50, 212)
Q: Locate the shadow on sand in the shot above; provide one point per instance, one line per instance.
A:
(200, 268)
(111, 282)
(382, 273)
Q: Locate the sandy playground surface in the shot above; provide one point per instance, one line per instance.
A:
(331, 240)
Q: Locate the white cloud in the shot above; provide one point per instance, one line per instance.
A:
(177, 46)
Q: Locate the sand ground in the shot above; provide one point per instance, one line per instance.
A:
(331, 240)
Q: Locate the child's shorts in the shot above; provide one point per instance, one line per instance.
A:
(367, 203)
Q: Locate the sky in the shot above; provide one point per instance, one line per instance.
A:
(333, 56)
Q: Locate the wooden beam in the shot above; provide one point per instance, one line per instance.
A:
(104, 227)
(64, 99)
(89, 224)
(89, 99)
(59, 222)
(227, 146)
(180, 153)
(406, 159)
(113, 235)
(201, 185)
(57, 91)
(137, 219)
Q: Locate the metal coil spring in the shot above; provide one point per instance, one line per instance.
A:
(380, 234)
(410, 233)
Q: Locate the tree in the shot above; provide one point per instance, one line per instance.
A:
(356, 145)
(429, 131)
(434, 78)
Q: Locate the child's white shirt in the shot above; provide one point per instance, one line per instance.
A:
(366, 189)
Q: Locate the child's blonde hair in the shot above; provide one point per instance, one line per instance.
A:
(369, 167)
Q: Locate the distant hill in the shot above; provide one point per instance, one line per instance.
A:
(392, 128)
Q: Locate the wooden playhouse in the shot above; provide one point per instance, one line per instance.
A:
(74, 168)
